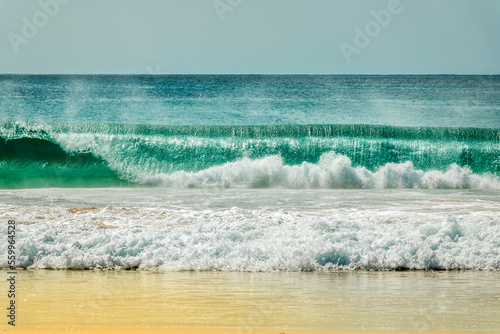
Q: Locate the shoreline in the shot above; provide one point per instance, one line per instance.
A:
(202, 331)
(90, 301)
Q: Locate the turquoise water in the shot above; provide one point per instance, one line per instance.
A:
(91, 131)
(252, 173)
(297, 156)
(437, 101)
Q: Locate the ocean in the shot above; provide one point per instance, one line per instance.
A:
(250, 203)
(251, 173)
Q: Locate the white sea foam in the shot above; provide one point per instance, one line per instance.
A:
(332, 171)
(157, 160)
(256, 239)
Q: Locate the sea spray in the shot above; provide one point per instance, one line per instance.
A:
(326, 156)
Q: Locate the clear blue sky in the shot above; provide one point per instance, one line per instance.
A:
(250, 36)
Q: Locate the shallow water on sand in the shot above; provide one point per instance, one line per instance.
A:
(345, 300)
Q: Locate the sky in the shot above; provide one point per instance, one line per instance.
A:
(250, 36)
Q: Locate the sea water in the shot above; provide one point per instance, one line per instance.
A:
(251, 173)
(386, 302)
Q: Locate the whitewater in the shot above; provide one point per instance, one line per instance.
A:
(251, 173)
(248, 230)
(301, 156)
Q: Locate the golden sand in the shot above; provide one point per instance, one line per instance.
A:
(81, 210)
(195, 331)
(66, 301)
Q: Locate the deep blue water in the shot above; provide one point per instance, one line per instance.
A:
(437, 101)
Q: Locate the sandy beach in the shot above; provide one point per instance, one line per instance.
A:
(68, 301)
(196, 331)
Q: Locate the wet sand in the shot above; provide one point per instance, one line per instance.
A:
(234, 302)
(197, 331)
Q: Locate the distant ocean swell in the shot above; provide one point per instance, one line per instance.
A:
(290, 156)
(252, 240)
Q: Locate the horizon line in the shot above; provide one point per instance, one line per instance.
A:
(250, 74)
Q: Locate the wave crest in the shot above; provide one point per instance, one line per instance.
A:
(333, 171)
